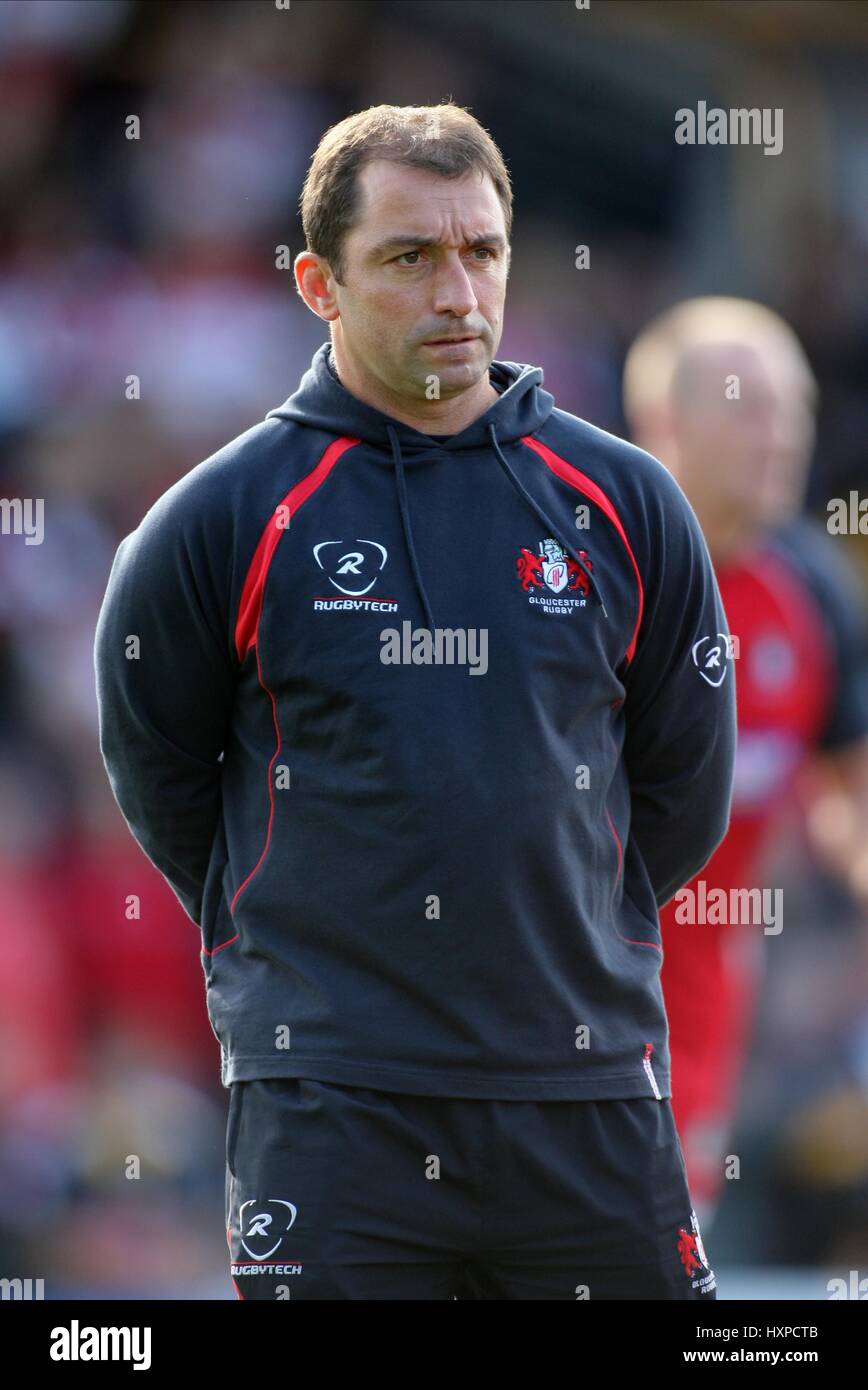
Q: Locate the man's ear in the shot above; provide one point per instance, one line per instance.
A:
(315, 284)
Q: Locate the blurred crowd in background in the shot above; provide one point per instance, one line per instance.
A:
(155, 257)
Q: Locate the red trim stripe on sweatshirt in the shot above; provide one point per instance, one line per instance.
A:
(256, 866)
(586, 485)
(250, 605)
(250, 610)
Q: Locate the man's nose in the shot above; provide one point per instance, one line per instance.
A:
(453, 291)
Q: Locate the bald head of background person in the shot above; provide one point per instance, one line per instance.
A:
(720, 390)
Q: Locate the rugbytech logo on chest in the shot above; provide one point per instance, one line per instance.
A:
(352, 568)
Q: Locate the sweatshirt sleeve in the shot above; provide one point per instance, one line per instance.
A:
(165, 681)
(680, 705)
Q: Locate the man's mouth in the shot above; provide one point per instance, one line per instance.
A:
(466, 338)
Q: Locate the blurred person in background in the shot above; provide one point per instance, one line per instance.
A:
(721, 391)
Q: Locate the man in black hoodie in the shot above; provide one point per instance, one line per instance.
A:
(427, 860)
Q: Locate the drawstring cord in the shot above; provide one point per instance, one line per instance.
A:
(405, 517)
(553, 531)
(401, 485)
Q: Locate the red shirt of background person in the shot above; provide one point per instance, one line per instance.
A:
(720, 391)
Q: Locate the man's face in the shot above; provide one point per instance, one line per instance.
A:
(426, 260)
(738, 456)
(783, 491)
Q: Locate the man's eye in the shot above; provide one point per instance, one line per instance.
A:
(488, 250)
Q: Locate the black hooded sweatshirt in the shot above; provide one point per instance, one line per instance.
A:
(422, 733)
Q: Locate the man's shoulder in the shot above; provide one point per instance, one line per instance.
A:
(243, 480)
(217, 479)
(622, 470)
(815, 554)
(822, 567)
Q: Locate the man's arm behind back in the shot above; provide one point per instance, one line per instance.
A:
(165, 683)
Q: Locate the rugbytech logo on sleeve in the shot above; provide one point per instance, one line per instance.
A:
(711, 656)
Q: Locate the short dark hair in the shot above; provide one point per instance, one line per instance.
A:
(444, 139)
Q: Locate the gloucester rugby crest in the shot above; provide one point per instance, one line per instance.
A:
(554, 571)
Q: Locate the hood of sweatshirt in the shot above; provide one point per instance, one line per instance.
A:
(322, 402)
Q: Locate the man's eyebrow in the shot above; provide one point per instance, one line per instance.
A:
(393, 242)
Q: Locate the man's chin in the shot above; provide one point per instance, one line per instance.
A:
(452, 374)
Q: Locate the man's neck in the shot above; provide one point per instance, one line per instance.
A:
(431, 417)
(727, 542)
